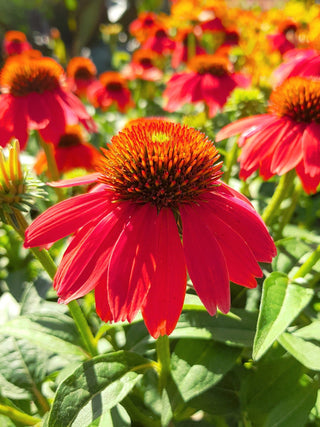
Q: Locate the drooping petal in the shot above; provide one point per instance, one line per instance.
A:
(72, 182)
(243, 125)
(288, 152)
(102, 303)
(131, 266)
(163, 305)
(86, 260)
(206, 263)
(241, 262)
(65, 218)
(39, 114)
(57, 123)
(311, 149)
(245, 220)
(309, 183)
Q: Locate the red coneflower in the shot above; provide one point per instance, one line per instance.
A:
(15, 43)
(143, 66)
(81, 73)
(286, 138)
(34, 98)
(142, 27)
(110, 89)
(210, 79)
(158, 184)
(159, 42)
(71, 152)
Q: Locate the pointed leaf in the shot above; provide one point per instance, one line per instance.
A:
(198, 365)
(306, 352)
(281, 303)
(113, 374)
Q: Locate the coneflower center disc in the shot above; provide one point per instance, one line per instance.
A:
(22, 77)
(211, 64)
(298, 98)
(160, 162)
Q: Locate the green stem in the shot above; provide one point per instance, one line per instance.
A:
(20, 225)
(138, 415)
(287, 214)
(230, 161)
(163, 356)
(191, 46)
(20, 417)
(307, 265)
(53, 171)
(278, 196)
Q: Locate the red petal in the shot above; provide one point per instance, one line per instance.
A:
(163, 305)
(86, 260)
(245, 220)
(65, 218)
(243, 125)
(205, 261)
(311, 149)
(131, 265)
(310, 184)
(102, 304)
(81, 180)
(39, 114)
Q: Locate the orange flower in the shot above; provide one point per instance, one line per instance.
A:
(72, 152)
(34, 98)
(15, 42)
(143, 66)
(110, 89)
(81, 73)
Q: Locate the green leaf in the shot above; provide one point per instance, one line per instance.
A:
(21, 364)
(281, 302)
(236, 328)
(7, 389)
(116, 417)
(310, 332)
(274, 387)
(198, 365)
(306, 352)
(95, 387)
(294, 409)
(42, 336)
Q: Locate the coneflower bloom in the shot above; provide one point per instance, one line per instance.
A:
(210, 79)
(110, 89)
(158, 211)
(142, 27)
(15, 43)
(33, 98)
(285, 38)
(286, 138)
(71, 152)
(181, 52)
(298, 62)
(81, 73)
(144, 66)
(159, 42)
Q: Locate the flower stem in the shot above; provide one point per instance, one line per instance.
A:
(163, 356)
(230, 161)
(20, 417)
(53, 171)
(307, 265)
(287, 214)
(20, 224)
(278, 196)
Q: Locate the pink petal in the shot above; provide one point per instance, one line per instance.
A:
(163, 305)
(86, 260)
(243, 125)
(311, 149)
(72, 182)
(57, 124)
(65, 218)
(245, 220)
(205, 261)
(131, 266)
